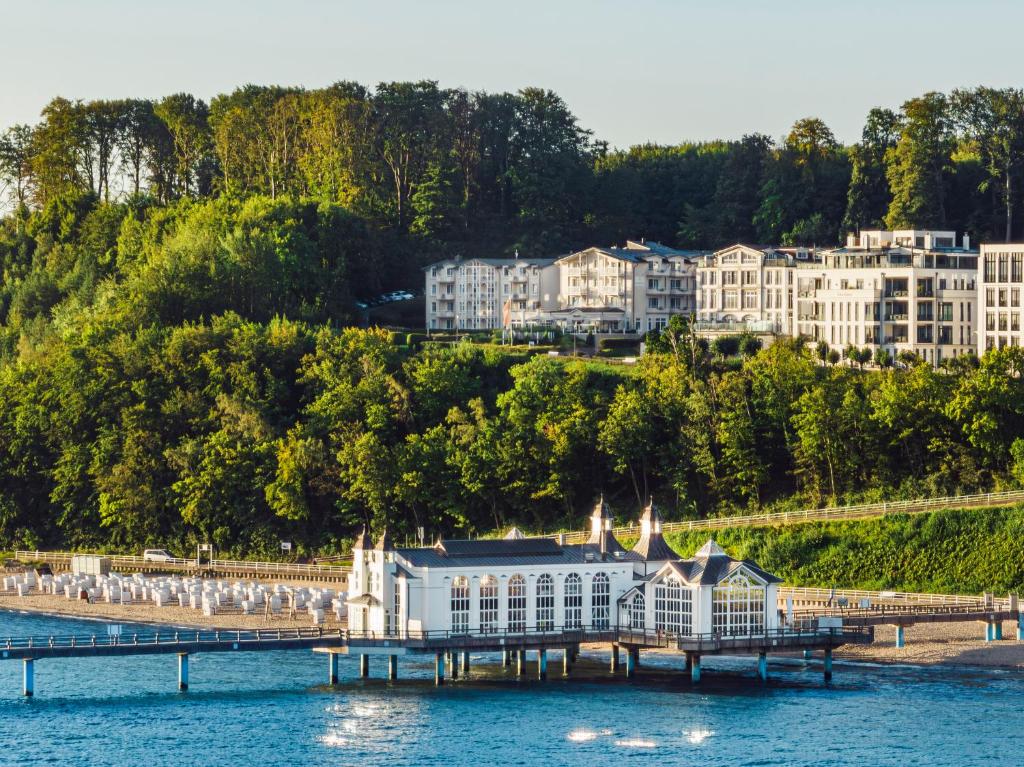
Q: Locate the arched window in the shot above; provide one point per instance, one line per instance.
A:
(673, 607)
(600, 601)
(488, 604)
(737, 607)
(460, 605)
(517, 603)
(636, 609)
(545, 603)
(573, 601)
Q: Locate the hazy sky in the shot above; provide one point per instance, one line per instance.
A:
(646, 70)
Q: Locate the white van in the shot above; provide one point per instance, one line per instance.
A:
(157, 555)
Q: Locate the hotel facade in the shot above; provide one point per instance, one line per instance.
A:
(631, 289)
(906, 290)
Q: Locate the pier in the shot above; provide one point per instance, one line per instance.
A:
(450, 650)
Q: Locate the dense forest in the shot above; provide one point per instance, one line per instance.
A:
(177, 361)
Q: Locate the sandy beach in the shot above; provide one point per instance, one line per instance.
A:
(148, 613)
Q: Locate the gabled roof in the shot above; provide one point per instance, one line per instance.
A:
(620, 254)
(363, 600)
(711, 566)
(522, 261)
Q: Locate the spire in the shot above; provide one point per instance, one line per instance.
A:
(601, 528)
(362, 542)
(652, 546)
(384, 543)
(515, 534)
(710, 549)
(600, 519)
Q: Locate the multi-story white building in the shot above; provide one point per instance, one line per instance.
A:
(631, 289)
(531, 585)
(482, 293)
(749, 288)
(904, 290)
(1000, 281)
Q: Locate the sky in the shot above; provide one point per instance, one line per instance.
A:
(632, 71)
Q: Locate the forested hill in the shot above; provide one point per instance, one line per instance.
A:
(178, 278)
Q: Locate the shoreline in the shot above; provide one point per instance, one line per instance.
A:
(959, 645)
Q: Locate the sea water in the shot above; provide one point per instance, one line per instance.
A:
(273, 708)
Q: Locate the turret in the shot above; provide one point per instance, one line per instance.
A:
(601, 529)
(651, 545)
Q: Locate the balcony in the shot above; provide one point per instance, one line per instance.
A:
(896, 293)
(895, 317)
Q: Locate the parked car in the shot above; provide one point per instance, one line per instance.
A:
(157, 555)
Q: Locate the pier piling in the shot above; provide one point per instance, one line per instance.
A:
(632, 658)
(566, 661)
(332, 668)
(542, 664)
(392, 667)
(29, 670)
(694, 659)
(520, 661)
(999, 630)
(1020, 627)
(364, 666)
(183, 671)
(506, 659)
(453, 662)
(989, 633)
(465, 663)
(439, 668)
(828, 665)
(762, 666)
(615, 658)
(900, 638)
(808, 654)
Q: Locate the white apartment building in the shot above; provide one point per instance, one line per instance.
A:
(607, 290)
(743, 287)
(481, 293)
(1000, 281)
(908, 290)
(902, 291)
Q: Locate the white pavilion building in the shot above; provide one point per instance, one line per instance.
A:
(521, 585)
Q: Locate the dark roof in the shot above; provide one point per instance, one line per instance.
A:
(499, 547)
(384, 543)
(708, 571)
(484, 553)
(651, 545)
(522, 261)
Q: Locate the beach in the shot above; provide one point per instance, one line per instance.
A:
(182, 617)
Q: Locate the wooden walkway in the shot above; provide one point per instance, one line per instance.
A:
(443, 645)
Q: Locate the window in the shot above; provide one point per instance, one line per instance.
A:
(573, 601)
(517, 603)
(398, 608)
(673, 607)
(1016, 267)
(945, 312)
(460, 605)
(635, 609)
(545, 603)
(1003, 259)
(488, 604)
(737, 607)
(600, 601)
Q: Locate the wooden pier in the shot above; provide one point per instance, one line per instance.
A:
(449, 650)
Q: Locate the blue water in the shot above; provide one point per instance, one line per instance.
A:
(272, 708)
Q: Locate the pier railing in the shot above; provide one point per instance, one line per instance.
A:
(854, 597)
(125, 561)
(853, 512)
(182, 640)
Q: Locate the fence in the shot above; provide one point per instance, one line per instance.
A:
(854, 596)
(124, 561)
(835, 513)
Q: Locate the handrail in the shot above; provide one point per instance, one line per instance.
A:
(214, 564)
(807, 593)
(856, 511)
(225, 637)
